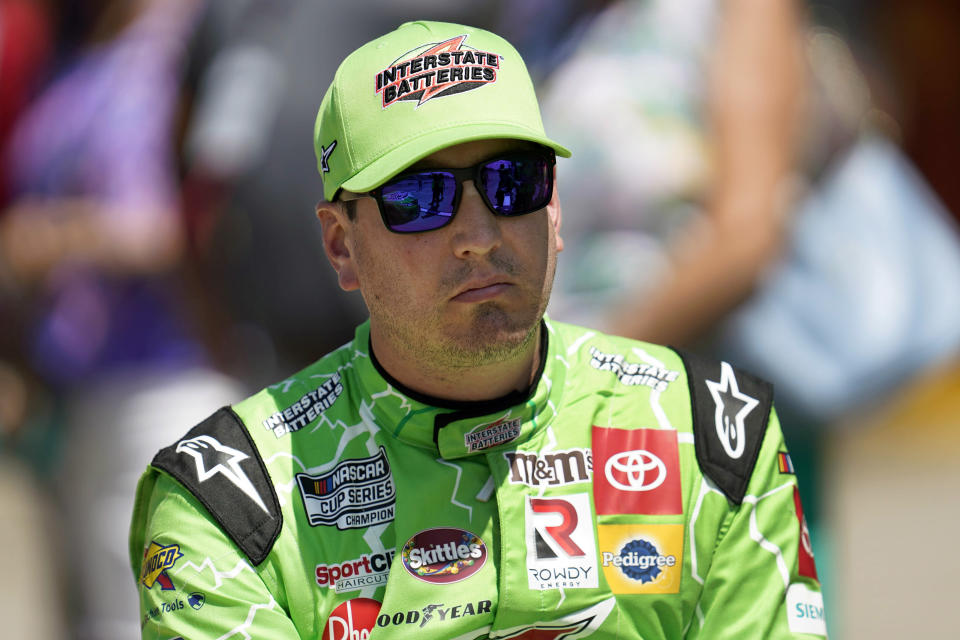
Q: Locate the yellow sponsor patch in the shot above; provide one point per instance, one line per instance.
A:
(642, 558)
(156, 560)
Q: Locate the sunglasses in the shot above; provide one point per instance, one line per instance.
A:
(513, 184)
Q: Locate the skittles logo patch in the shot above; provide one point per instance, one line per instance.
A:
(436, 70)
(444, 555)
(157, 559)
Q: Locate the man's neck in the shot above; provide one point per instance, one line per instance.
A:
(476, 383)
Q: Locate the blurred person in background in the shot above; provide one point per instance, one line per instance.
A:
(91, 238)
(892, 465)
(26, 48)
(754, 202)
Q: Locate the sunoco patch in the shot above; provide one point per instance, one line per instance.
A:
(157, 559)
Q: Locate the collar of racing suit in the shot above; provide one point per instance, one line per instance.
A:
(456, 429)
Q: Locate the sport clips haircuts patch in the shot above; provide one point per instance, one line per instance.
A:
(436, 70)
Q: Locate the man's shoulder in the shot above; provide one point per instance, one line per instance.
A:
(223, 461)
(727, 408)
(218, 462)
(633, 362)
(298, 400)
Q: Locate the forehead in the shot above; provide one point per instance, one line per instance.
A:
(470, 153)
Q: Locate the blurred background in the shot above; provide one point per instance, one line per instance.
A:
(767, 182)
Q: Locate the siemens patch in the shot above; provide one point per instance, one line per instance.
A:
(357, 493)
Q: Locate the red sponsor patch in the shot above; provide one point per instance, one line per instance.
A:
(807, 567)
(636, 471)
(352, 620)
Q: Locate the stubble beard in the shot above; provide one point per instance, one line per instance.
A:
(491, 334)
(489, 337)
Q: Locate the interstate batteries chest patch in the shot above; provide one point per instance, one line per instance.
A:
(357, 493)
(436, 70)
(492, 435)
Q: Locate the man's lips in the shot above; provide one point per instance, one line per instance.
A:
(481, 290)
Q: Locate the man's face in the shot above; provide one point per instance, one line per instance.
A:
(468, 294)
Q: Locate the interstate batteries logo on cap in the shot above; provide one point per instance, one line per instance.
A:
(436, 70)
(444, 555)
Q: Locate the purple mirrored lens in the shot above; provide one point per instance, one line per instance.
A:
(419, 202)
(516, 186)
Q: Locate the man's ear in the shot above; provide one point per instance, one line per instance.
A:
(338, 243)
(553, 211)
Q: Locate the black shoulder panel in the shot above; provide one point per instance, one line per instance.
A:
(730, 413)
(218, 462)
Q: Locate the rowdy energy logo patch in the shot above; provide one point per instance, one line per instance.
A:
(436, 70)
(561, 548)
(639, 558)
(156, 560)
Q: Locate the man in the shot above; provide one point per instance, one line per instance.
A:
(465, 468)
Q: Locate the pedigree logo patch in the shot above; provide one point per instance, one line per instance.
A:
(436, 70)
(642, 558)
(636, 471)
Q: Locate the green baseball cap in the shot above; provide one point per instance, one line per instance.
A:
(414, 91)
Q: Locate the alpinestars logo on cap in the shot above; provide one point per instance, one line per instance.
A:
(436, 70)
(325, 156)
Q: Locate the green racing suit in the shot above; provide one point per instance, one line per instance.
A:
(632, 492)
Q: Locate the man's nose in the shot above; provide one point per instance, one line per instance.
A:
(475, 229)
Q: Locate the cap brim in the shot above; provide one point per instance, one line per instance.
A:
(398, 159)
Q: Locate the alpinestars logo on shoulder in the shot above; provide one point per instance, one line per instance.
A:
(436, 70)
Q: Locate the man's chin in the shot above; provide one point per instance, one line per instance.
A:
(493, 335)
